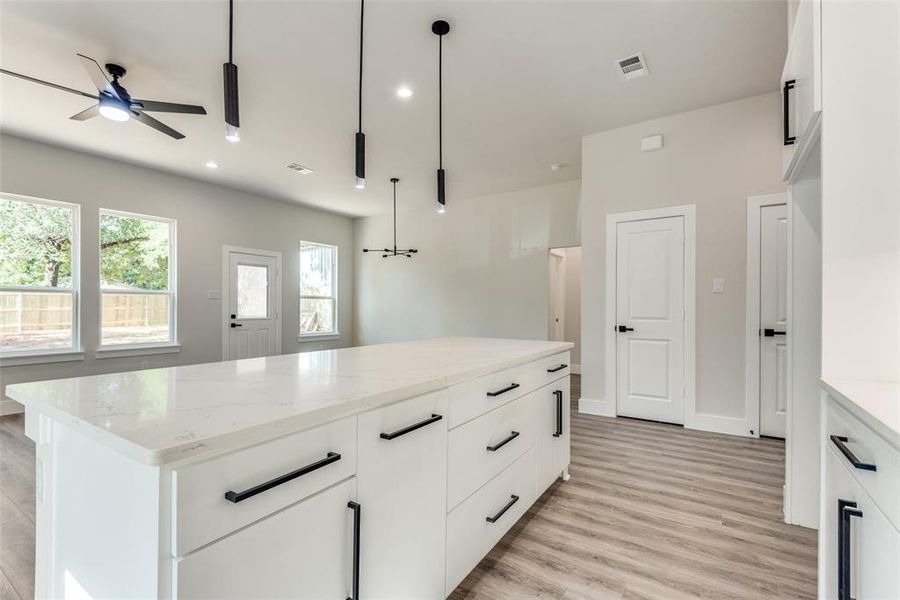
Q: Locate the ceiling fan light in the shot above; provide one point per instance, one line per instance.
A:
(113, 111)
(232, 133)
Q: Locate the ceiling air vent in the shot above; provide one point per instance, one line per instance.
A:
(300, 169)
(633, 66)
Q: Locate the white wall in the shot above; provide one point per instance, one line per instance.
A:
(208, 216)
(714, 158)
(481, 267)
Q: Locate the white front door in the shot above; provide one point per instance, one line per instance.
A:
(557, 296)
(773, 320)
(251, 305)
(650, 319)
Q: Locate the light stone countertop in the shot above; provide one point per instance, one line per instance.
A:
(159, 416)
(876, 402)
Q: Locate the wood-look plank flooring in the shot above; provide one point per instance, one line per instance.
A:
(651, 512)
(654, 511)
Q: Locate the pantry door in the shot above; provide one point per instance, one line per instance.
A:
(252, 306)
(650, 319)
(773, 224)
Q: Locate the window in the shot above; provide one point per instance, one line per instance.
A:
(318, 289)
(38, 275)
(137, 279)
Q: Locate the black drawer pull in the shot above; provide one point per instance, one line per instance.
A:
(555, 369)
(509, 504)
(786, 112)
(839, 441)
(395, 434)
(354, 506)
(508, 388)
(846, 510)
(559, 413)
(511, 437)
(264, 487)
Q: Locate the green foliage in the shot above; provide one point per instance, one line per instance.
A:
(134, 253)
(35, 244)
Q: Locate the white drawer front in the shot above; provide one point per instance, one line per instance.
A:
(469, 533)
(883, 484)
(469, 399)
(201, 512)
(508, 430)
(553, 367)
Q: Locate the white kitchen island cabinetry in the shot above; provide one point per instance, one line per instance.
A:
(374, 472)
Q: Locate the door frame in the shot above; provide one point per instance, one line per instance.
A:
(555, 254)
(755, 205)
(688, 213)
(226, 287)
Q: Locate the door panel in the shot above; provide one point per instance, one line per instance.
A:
(773, 315)
(251, 304)
(650, 300)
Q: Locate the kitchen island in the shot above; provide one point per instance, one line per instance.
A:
(382, 471)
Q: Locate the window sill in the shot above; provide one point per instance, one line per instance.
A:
(41, 357)
(133, 350)
(318, 337)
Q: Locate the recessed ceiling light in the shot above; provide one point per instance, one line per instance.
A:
(211, 164)
(404, 92)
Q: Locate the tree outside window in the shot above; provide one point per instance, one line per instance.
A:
(318, 289)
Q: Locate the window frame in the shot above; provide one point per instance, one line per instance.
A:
(74, 351)
(335, 332)
(171, 292)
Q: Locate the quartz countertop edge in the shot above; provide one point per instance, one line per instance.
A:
(44, 398)
(877, 403)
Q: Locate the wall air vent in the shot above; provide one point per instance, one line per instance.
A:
(300, 169)
(633, 66)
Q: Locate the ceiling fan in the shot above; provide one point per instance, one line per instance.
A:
(114, 102)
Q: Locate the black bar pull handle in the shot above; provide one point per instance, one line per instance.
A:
(513, 435)
(395, 434)
(508, 388)
(559, 413)
(840, 442)
(555, 369)
(264, 487)
(786, 112)
(513, 500)
(623, 329)
(846, 510)
(354, 506)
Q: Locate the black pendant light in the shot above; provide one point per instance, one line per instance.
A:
(389, 252)
(230, 73)
(440, 29)
(360, 136)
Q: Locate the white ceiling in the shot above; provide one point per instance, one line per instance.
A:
(523, 81)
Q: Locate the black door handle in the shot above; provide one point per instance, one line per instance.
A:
(623, 329)
(772, 332)
(233, 325)
(840, 442)
(846, 510)
(559, 413)
(395, 434)
(508, 388)
(354, 506)
(509, 504)
(786, 112)
(555, 369)
(264, 487)
(511, 437)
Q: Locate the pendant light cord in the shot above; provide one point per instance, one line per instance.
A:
(361, 14)
(440, 102)
(230, 29)
(395, 216)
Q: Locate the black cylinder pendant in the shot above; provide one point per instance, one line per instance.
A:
(440, 189)
(361, 155)
(230, 73)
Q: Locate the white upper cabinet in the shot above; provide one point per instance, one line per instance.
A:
(801, 82)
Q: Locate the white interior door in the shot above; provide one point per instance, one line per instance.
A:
(557, 296)
(773, 320)
(252, 321)
(650, 319)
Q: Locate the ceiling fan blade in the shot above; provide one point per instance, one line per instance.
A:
(157, 125)
(47, 83)
(88, 113)
(97, 74)
(170, 107)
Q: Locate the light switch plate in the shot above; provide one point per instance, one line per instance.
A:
(718, 286)
(213, 295)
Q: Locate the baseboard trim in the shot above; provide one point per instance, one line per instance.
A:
(575, 370)
(10, 407)
(720, 424)
(590, 406)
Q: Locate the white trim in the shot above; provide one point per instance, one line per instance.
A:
(226, 286)
(719, 424)
(40, 357)
(317, 337)
(688, 213)
(751, 319)
(117, 351)
(590, 406)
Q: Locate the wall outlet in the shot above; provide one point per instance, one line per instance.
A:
(718, 286)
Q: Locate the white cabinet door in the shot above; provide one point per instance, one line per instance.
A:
(802, 73)
(403, 494)
(878, 567)
(551, 404)
(304, 551)
(838, 486)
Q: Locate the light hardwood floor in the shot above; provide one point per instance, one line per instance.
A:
(651, 511)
